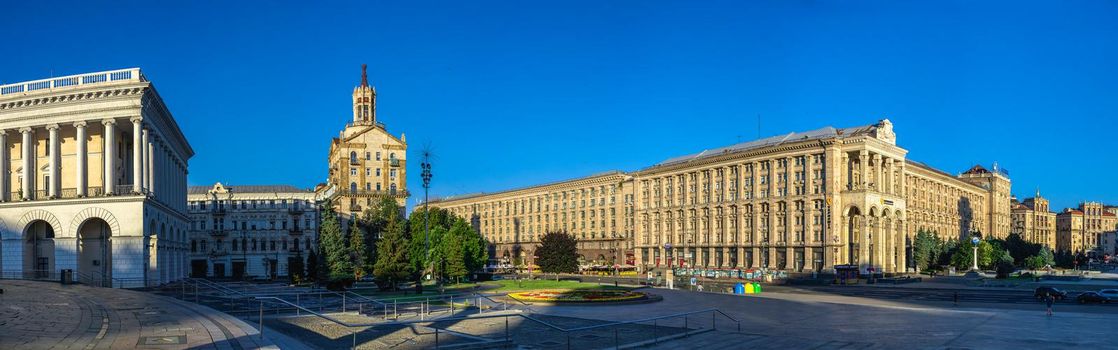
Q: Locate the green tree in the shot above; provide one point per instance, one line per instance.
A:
(1046, 255)
(925, 248)
(962, 258)
(339, 268)
(557, 253)
(359, 252)
(1035, 262)
(312, 266)
(455, 263)
(393, 264)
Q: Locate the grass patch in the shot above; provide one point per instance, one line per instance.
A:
(513, 285)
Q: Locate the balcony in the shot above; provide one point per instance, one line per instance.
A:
(69, 193)
(295, 210)
(219, 233)
(294, 231)
(394, 162)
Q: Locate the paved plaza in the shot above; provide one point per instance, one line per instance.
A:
(46, 315)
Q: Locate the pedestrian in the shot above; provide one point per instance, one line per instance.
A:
(1048, 299)
(956, 298)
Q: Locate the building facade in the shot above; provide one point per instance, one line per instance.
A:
(366, 161)
(92, 179)
(795, 202)
(597, 210)
(1078, 230)
(250, 231)
(1034, 221)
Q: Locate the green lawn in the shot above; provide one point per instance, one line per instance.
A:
(513, 286)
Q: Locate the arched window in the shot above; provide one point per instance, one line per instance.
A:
(254, 244)
(307, 243)
(244, 243)
(392, 188)
(392, 155)
(353, 187)
(353, 157)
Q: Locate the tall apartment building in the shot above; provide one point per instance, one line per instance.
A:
(1078, 230)
(1034, 221)
(797, 202)
(250, 231)
(92, 179)
(365, 160)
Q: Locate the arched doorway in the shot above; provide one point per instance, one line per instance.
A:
(854, 237)
(38, 249)
(95, 252)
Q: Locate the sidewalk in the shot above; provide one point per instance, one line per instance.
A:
(40, 315)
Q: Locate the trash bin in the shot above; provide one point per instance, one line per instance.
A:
(756, 288)
(739, 288)
(67, 276)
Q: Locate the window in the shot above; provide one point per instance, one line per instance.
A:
(378, 186)
(352, 171)
(368, 186)
(353, 157)
(378, 155)
(392, 173)
(367, 156)
(378, 172)
(353, 187)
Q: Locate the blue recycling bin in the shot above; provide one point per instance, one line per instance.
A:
(739, 288)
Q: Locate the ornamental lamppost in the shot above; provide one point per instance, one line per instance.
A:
(426, 174)
(974, 240)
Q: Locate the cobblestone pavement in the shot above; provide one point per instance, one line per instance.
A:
(46, 315)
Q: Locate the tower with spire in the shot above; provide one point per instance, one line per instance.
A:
(364, 101)
(366, 161)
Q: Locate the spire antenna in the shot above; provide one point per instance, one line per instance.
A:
(364, 75)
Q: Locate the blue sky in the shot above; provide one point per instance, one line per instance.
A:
(518, 93)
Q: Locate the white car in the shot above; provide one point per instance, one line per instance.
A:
(1109, 294)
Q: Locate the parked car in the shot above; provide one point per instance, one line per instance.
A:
(1091, 297)
(1109, 294)
(1057, 294)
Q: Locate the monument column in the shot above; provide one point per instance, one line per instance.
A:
(81, 171)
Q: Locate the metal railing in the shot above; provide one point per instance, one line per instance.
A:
(685, 319)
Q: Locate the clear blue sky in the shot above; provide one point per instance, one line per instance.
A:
(520, 93)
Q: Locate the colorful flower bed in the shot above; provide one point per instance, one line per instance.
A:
(577, 296)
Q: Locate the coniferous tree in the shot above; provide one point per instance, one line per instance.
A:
(312, 266)
(338, 266)
(359, 252)
(392, 264)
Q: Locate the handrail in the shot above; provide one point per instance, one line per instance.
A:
(651, 319)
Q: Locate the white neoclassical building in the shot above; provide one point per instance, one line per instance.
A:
(92, 179)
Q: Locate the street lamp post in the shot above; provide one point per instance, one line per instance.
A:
(974, 240)
(426, 174)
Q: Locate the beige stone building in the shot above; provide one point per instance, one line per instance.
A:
(796, 202)
(1078, 230)
(92, 179)
(365, 160)
(250, 231)
(597, 210)
(1108, 243)
(1034, 221)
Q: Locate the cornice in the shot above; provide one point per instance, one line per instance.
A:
(739, 155)
(612, 178)
(70, 97)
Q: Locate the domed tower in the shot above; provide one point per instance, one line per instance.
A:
(364, 101)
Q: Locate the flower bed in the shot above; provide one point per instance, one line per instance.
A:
(577, 296)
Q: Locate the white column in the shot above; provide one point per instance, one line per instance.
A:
(5, 164)
(147, 155)
(81, 171)
(109, 154)
(28, 168)
(137, 155)
(52, 187)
